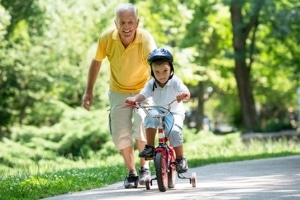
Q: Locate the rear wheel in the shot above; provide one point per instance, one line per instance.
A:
(161, 171)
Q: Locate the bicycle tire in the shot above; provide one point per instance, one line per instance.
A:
(161, 171)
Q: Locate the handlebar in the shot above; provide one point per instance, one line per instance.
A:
(146, 109)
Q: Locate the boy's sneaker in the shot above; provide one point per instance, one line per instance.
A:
(181, 165)
(131, 181)
(143, 173)
(148, 152)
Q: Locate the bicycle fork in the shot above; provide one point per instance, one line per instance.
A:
(163, 148)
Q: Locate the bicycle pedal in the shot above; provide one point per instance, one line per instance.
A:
(149, 158)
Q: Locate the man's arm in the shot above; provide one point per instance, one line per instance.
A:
(87, 98)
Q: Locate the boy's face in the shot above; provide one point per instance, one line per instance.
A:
(161, 71)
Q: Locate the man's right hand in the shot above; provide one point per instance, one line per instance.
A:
(87, 100)
(130, 100)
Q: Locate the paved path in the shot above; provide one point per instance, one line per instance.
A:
(263, 179)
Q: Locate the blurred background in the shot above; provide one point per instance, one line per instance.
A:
(239, 58)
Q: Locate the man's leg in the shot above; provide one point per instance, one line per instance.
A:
(121, 132)
(128, 156)
(131, 180)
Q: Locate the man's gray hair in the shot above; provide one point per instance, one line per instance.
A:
(126, 6)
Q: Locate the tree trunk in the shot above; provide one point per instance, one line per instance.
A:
(246, 98)
(241, 70)
(200, 106)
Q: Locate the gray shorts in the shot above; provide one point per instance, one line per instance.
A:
(173, 124)
(125, 123)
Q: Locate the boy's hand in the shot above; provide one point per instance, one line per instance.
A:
(181, 97)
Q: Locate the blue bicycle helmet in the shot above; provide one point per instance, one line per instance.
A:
(160, 54)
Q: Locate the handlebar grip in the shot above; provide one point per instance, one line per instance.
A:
(132, 105)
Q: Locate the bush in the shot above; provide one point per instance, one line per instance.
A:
(79, 133)
(275, 125)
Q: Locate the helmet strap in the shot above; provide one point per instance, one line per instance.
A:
(154, 85)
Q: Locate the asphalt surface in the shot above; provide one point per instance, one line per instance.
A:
(263, 179)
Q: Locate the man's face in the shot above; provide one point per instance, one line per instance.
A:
(126, 23)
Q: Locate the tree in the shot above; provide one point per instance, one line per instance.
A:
(14, 48)
(46, 49)
(265, 36)
(242, 70)
(209, 24)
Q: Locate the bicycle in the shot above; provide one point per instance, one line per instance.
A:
(164, 155)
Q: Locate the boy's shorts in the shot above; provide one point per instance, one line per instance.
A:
(125, 123)
(173, 124)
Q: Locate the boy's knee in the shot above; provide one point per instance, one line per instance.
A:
(151, 122)
(176, 138)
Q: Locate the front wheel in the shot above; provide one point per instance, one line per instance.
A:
(171, 176)
(160, 164)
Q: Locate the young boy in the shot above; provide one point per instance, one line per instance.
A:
(163, 88)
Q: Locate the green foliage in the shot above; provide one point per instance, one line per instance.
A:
(276, 74)
(47, 46)
(107, 150)
(20, 156)
(209, 32)
(79, 134)
(275, 125)
(45, 57)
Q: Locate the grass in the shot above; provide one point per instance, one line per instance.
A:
(47, 178)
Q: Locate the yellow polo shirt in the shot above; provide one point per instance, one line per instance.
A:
(129, 70)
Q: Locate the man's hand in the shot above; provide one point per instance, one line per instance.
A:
(87, 100)
(130, 100)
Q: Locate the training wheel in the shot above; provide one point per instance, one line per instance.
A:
(148, 182)
(136, 183)
(193, 179)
